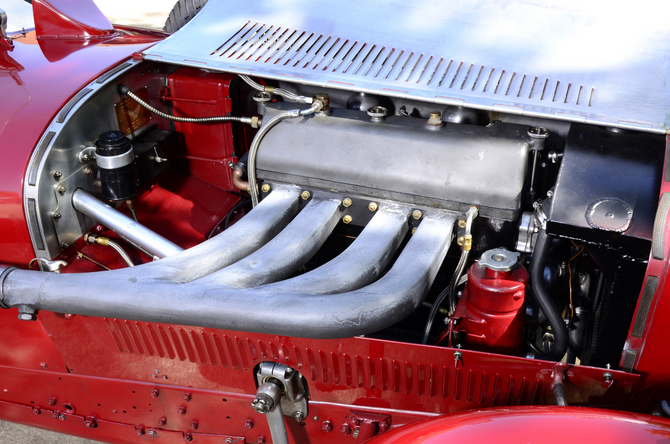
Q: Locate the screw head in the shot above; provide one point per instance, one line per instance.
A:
(347, 219)
(249, 424)
(140, 430)
(155, 393)
(260, 440)
(27, 317)
(181, 410)
(327, 426)
(90, 422)
(462, 223)
(88, 170)
(305, 195)
(43, 365)
(61, 417)
(194, 425)
(288, 373)
(188, 437)
(61, 190)
(37, 411)
(383, 426)
(372, 206)
(416, 214)
(298, 416)
(52, 401)
(265, 188)
(346, 202)
(56, 215)
(162, 421)
(345, 429)
(152, 433)
(57, 175)
(187, 397)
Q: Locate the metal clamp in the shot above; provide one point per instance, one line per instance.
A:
(47, 265)
(118, 161)
(86, 155)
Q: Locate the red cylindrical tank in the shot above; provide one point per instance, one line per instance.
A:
(491, 310)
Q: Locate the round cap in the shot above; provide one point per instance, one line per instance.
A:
(499, 259)
(112, 143)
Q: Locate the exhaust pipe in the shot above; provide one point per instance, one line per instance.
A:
(343, 298)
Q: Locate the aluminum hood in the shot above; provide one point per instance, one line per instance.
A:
(569, 60)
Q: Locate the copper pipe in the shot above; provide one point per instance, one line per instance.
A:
(238, 174)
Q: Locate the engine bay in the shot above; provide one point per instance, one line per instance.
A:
(378, 216)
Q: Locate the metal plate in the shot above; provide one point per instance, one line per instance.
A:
(551, 59)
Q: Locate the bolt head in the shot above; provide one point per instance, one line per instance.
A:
(152, 433)
(347, 219)
(140, 430)
(265, 188)
(305, 195)
(383, 426)
(462, 223)
(61, 417)
(288, 373)
(155, 393)
(346, 202)
(188, 437)
(88, 170)
(372, 206)
(249, 424)
(260, 440)
(57, 175)
(52, 401)
(43, 365)
(162, 421)
(187, 397)
(56, 215)
(61, 190)
(37, 411)
(194, 425)
(345, 429)
(327, 426)
(416, 214)
(181, 411)
(298, 416)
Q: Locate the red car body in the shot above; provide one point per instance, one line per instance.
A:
(117, 380)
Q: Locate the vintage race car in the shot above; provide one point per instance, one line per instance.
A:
(332, 222)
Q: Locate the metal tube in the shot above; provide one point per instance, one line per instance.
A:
(290, 312)
(122, 225)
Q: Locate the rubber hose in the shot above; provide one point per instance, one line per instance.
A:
(545, 301)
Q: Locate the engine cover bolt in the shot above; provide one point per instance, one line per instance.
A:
(265, 188)
(155, 393)
(188, 437)
(416, 214)
(181, 410)
(345, 429)
(249, 424)
(346, 203)
(187, 397)
(61, 190)
(372, 206)
(327, 426)
(57, 175)
(305, 195)
(298, 416)
(347, 219)
(194, 425)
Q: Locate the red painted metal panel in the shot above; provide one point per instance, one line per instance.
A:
(69, 19)
(541, 425)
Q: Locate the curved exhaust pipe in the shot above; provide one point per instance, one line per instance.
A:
(345, 297)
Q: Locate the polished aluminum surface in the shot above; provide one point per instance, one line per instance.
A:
(599, 64)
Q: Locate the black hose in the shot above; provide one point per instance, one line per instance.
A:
(558, 328)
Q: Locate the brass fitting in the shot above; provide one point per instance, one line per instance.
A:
(435, 119)
(467, 242)
(347, 219)
(346, 202)
(265, 188)
(238, 174)
(305, 195)
(256, 122)
(414, 230)
(462, 223)
(416, 214)
(372, 206)
(323, 97)
(269, 89)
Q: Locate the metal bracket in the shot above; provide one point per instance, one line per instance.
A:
(282, 391)
(86, 155)
(559, 390)
(366, 425)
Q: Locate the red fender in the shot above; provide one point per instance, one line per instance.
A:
(533, 425)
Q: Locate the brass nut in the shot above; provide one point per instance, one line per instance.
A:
(416, 214)
(346, 202)
(265, 188)
(372, 206)
(414, 230)
(461, 223)
(460, 241)
(305, 195)
(347, 219)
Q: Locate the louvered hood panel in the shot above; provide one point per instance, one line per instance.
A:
(561, 61)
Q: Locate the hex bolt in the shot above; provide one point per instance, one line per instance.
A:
(88, 170)
(416, 214)
(61, 190)
(64, 245)
(91, 423)
(305, 195)
(56, 215)
(298, 416)
(345, 429)
(346, 203)
(57, 175)
(249, 424)
(327, 426)
(347, 219)
(37, 411)
(162, 421)
(193, 425)
(188, 437)
(182, 410)
(61, 417)
(187, 397)
(384, 426)
(155, 393)
(265, 188)
(140, 430)
(372, 206)
(52, 401)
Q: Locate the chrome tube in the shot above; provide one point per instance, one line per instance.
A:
(123, 225)
(258, 309)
